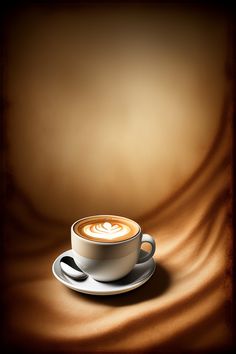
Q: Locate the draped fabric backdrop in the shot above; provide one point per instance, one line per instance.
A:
(118, 110)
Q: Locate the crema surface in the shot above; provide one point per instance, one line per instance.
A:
(107, 229)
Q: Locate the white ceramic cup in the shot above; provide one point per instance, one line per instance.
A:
(109, 261)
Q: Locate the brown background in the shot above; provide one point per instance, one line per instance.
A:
(122, 110)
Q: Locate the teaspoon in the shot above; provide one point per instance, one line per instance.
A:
(69, 267)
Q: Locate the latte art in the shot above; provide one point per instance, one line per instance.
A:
(109, 228)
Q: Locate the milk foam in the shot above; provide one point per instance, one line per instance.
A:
(106, 230)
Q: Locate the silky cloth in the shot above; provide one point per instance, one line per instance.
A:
(140, 128)
(183, 305)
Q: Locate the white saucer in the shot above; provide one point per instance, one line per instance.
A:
(138, 276)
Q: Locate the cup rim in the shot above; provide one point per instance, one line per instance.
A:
(105, 243)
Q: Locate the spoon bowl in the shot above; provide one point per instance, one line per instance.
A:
(69, 268)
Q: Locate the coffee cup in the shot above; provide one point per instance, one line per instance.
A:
(107, 247)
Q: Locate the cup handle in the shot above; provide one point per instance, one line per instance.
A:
(145, 257)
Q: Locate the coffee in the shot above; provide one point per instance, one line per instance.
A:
(106, 228)
(107, 247)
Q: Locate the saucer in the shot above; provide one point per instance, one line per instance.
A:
(137, 277)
